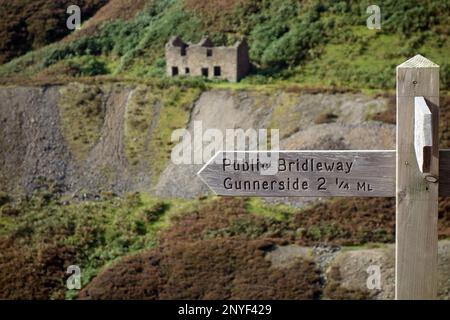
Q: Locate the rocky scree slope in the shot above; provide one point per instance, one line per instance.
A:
(88, 139)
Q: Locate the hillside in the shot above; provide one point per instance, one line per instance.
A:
(86, 177)
(117, 137)
(29, 25)
(319, 43)
(89, 138)
(86, 119)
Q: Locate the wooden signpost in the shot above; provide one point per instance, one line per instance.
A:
(416, 173)
(417, 182)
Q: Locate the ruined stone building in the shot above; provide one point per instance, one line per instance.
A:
(204, 59)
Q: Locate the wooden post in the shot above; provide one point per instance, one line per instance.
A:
(416, 192)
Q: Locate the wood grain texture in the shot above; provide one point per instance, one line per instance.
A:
(444, 173)
(423, 135)
(303, 174)
(416, 198)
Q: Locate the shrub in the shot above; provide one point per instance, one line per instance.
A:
(410, 17)
(209, 269)
(28, 273)
(44, 240)
(89, 66)
(388, 115)
(135, 277)
(350, 221)
(4, 198)
(9, 210)
(26, 25)
(284, 38)
(445, 75)
(326, 117)
(224, 240)
(155, 212)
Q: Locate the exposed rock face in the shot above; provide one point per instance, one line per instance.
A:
(352, 267)
(33, 145)
(345, 270)
(106, 167)
(34, 149)
(335, 136)
(444, 270)
(294, 115)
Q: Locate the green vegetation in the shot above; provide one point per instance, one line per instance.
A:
(311, 43)
(280, 212)
(27, 25)
(152, 115)
(175, 109)
(286, 116)
(295, 45)
(47, 232)
(4, 198)
(85, 66)
(222, 268)
(51, 232)
(138, 119)
(82, 115)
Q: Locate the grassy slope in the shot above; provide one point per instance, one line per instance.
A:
(82, 116)
(319, 43)
(119, 227)
(152, 115)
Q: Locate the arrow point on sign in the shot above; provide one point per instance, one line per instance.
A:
(206, 165)
(209, 162)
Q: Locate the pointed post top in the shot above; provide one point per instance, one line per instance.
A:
(418, 61)
(418, 76)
